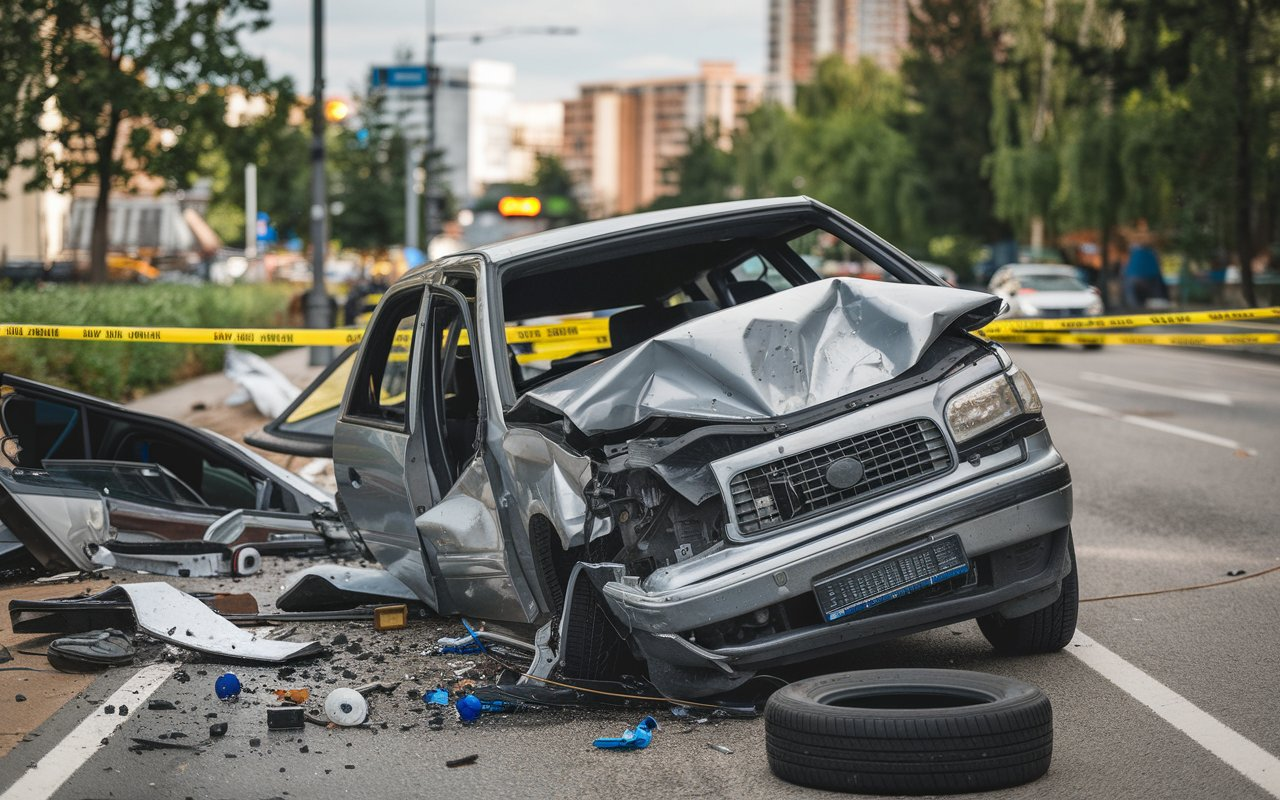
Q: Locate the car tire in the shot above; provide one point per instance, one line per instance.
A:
(909, 731)
(1045, 631)
(592, 649)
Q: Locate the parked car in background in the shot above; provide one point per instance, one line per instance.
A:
(1045, 290)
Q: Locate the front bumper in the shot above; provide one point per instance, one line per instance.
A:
(1013, 524)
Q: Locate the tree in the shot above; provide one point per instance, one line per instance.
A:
(367, 176)
(130, 80)
(551, 179)
(702, 174)
(280, 149)
(948, 74)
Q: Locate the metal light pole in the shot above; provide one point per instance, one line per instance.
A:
(250, 211)
(317, 306)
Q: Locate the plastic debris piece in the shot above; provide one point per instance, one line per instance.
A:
(227, 686)
(636, 738)
(285, 718)
(680, 712)
(436, 697)
(346, 707)
(143, 745)
(390, 618)
(377, 686)
(462, 762)
(218, 729)
(160, 705)
(719, 748)
(1235, 573)
(296, 696)
(90, 651)
(469, 708)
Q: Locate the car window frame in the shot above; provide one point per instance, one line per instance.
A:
(372, 351)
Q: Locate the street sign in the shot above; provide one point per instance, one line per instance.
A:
(399, 77)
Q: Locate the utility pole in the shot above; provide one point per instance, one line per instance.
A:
(250, 211)
(318, 299)
(432, 224)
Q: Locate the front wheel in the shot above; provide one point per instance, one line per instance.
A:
(1045, 631)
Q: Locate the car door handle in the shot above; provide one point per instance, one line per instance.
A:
(353, 477)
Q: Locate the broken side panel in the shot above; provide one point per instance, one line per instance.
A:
(58, 524)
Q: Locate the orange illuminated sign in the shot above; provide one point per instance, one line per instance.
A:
(519, 206)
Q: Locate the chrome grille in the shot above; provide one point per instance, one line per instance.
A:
(790, 488)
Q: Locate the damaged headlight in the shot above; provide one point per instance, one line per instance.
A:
(991, 403)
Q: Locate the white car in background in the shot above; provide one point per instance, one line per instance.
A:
(1045, 290)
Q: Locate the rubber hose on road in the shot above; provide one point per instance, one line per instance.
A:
(909, 731)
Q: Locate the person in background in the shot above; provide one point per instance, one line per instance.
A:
(1142, 278)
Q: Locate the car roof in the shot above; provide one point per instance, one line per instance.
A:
(514, 249)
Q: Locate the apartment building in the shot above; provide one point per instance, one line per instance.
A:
(803, 32)
(620, 137)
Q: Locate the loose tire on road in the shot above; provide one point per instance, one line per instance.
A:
(909, 731)
(1045, 631)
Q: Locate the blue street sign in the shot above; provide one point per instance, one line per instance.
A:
(402, 77)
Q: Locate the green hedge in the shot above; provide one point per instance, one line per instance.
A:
(125, 370)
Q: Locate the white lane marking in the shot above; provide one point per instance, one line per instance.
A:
(1216, 398)
(1237, 752)
(68, 755)
(1205, 360)
(1142, 422)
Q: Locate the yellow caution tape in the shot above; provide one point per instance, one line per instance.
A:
(283, 337)
(565, 338)
(1131, 320)
(1184, 339)
(588, 330)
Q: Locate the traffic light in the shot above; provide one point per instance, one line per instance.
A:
(519, 206)
(336, 110)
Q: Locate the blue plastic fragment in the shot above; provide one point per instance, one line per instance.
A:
(474, 637)
(227, 686)
(462, 645)
(468, 649)
(436, 697)
(636, 738)
(469, 708)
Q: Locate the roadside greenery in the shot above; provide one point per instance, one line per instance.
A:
(1031, 120)
(125, 370)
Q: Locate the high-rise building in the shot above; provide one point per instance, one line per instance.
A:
(803, 32)
(621, 137)
(537, 129)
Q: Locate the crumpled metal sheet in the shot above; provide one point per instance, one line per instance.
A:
(173, 616)
(551, 481)
(767, 358)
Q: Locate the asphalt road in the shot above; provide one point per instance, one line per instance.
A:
(1175, 456)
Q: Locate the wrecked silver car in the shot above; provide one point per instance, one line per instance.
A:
(83, 474)
(758, 466)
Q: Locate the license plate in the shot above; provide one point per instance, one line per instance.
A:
(890, 578)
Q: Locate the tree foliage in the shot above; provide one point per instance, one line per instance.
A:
(103, 90)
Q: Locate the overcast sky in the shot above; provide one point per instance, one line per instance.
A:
(616, 39)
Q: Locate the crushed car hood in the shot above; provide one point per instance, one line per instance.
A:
(774, 356)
